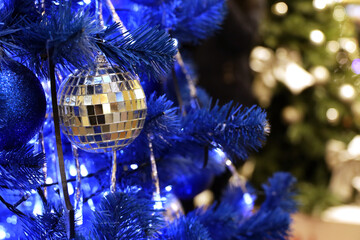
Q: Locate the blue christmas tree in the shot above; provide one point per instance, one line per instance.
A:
(104, 131)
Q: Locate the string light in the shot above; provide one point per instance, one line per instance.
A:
(355, 66)
(348, 44)
(332, 115)
(321, 74)
(297, 79)
(354, 146)
(317, 37)
(280, 8)
(347, 92)
(333, 46)
(339, 13)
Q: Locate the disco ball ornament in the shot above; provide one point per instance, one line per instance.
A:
(22, 104)
(101, 109)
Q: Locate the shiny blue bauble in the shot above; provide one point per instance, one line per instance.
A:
(22, 104)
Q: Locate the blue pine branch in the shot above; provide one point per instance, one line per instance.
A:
(161, 124)
(73, 39)
(125, 216)
(221, 220)
(266, 225)
(51, 225)
(21, 168)
(188, 228)
(236, 130)
(280, 192)
(199, 19)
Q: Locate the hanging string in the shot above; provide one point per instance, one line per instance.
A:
(99, 12)
(78, 203)
(113, 172)
(115, 16)
(154, 176)
(41, 148)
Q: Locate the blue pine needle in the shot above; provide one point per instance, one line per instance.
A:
(188, 228)
(51, 225)
(73, 38)
(221, 220)
(126, 216)
(266, 225)
(162, 124)
(236, 130)
(199, 20)
(21, 168)
(280, 192)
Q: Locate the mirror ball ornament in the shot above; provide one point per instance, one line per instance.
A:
(101, 109)
(22, 104)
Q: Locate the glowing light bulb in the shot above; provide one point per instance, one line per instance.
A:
(204, 198)
(297, 79)
(72, 170)
(248, 199)
(134, 166)
(317, 37)
(83, 170)
(354, 146)
(347, 92)
(87, 1)
(280, 8)
(2, 232)
(321, 74)
(339, 13)
(355, 66)
(168, 188)
(319, 4)
(333, 46)
(348, 44)
(332, 115)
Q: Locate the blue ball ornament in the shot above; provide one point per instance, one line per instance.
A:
(22, 104)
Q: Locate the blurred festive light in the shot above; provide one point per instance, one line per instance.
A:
(49, 180)
(72, 170)
(347, 92)
(248, 199)
(354, 146)
(168, 188)
(87, 1)
(83, 170)
(204, 198)
(322, 4)
(332, 115)
(38, 207)
(342, 214)
(356, 183)
(333, 46)
(317, 37)
(339, 13)
(321, 74)
(297, 78)
(319, 4)
(134, 166)
(2, 232)
(353, 11)
(70, 188)
(291, 115)
(348, 44)
(91, 204)
(259, 58)
(279, 8)
(355, 66)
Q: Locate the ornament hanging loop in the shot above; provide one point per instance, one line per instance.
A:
(113, 172)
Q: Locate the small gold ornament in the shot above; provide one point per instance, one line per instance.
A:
(101, 109)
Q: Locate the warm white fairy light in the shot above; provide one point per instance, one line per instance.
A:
(347, 92)
(339, 13)
(321, 74)
(317, 36)
(297, 78)
(354, 146)
(333, 46)
(204, 198)
(348, 44)
(332, 115)
(280, 8)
